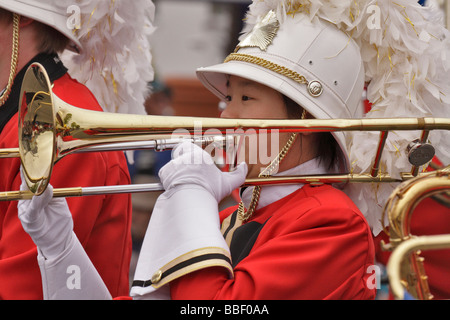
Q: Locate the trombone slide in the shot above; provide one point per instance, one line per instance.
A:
(83, 191)
(50, 128)
(151, 187)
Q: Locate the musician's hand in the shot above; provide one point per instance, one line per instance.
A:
(47, 220)
(191, 165)
(186, 216)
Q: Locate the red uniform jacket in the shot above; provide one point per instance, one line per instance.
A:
(102, 223)
(312, 244)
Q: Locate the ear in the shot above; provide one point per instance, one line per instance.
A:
(25, 22)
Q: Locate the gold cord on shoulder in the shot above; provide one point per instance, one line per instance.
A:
(14, 59)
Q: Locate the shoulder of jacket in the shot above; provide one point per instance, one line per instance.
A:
(75, 93)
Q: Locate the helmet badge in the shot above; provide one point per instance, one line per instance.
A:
(263, 32)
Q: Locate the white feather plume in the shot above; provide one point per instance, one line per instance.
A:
(407, 64)
(116, 61)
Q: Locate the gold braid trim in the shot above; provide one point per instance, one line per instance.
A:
(268, 65)
(14, 59)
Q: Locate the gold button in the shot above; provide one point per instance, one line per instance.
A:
(157, 276)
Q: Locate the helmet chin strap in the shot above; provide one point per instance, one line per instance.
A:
(14, 59)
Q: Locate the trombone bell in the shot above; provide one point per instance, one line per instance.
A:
(37, 133)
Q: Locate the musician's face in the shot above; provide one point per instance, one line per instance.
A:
(250, 100)
(247, 99)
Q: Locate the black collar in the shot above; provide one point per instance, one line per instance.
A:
(55, 69)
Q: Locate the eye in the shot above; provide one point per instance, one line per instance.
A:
(245, 98)
(228, 98)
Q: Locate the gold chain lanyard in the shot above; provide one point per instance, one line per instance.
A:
(245, 215)
(14, 59)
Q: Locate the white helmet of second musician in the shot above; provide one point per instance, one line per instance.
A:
(311, 62)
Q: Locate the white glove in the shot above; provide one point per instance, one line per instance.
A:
(47, 220)
(191, 165)
(71, 276)
(185, 225)
(66, 270)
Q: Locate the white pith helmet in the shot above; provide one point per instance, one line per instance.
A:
(47, 12)
(313, 63)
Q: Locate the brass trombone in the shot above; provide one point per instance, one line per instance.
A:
(403, 281)
(405, 267)
(50, 129)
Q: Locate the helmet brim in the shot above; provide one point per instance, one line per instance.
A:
(215, 78)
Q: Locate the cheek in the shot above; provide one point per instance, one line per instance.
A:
(271, 109)
(5, 39)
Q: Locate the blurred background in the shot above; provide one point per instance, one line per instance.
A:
(192, 34)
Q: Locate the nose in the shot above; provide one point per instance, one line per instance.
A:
(230, 111)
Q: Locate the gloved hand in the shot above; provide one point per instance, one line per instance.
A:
(186, 216)
(191, 165)
(47, 220)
